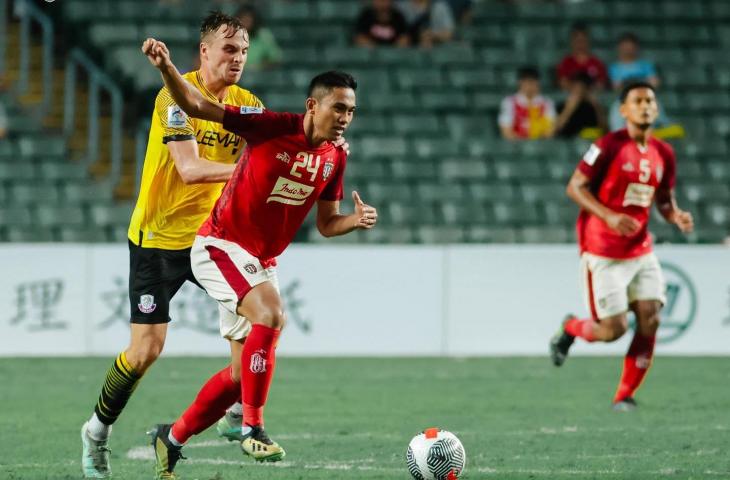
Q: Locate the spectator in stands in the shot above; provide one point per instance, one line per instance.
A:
(429, 22)
(263, 51)
(381, 24)
(629, 65)
(631, 68)
(580, 59)
(527, 114)
(581, 114)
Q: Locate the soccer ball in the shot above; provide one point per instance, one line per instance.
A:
(435, 454)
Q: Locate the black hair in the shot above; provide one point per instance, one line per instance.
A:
(215, 20)
(528, 72)
(330, 80)
(631, 85)
(629, 37)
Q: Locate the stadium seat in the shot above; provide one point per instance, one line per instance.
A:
(107, 34)
(490, 234)
(560, 212)
(347, 57)
(82, 235)
(286, 12)
(54, 216)
(400, 57)
(701, 192)
(436, 192)
(379, 193)
(719, 170)
(336, 10)
(408, 79)
(439, 234)
(456, 169)
(472, 79)
(170, 33)
(394, 234)
(515, 213)
(111, 214)
(410, 213)
(466, 213)
(534, 193)
(718, 214)
(32, 193)
(544, 235)
(452, 54)
(383, 146)
(482, 191)
(422, 169)
(29, 234)
(507, 168)
(16, 216)
(424, 123)
(435, 147)
(17, 171)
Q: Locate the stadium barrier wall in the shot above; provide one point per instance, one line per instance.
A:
(457, 300)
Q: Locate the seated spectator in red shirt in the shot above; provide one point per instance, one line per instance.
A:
(581, 60)
(381, 24)
(581, 114)
(527, 114)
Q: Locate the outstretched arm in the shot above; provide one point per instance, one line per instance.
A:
(331, 223)
(184, 94)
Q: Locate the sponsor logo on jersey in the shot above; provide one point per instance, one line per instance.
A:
(251, 110)
(289, 192)
(592, 154)
(329, 165)
(258, 362)
(284, 157)
(639, 194)
(250, 268)
(176, 118)
(147, 304)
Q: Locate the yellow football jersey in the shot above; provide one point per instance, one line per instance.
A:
(168, 212)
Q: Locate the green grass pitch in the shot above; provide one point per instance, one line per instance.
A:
(519, 418)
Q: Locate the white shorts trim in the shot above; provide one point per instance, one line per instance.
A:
(228, 273)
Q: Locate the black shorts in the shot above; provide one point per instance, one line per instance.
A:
(155, 276)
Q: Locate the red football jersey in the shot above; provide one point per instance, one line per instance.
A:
(275, 184)
(593, 67)
(624, 177)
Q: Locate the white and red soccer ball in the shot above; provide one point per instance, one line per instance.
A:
(435, 454)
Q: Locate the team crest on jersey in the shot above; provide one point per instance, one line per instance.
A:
(284, 157)
(329, 165)
(147, 304)
(628, 167)
(251, 110)
(250, 268)
(176, 117)
(258, 362)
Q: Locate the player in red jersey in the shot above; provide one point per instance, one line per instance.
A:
(615, 184)
(289, 164)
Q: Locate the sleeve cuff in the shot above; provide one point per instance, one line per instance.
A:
(177, 138)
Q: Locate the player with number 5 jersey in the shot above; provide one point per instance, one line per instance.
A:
(617, 181)
(290, 163)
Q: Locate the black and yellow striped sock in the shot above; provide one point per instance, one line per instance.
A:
(120, 382)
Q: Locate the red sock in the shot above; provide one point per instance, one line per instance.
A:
(582, 328)
(257, 369)
(636, 364)
(218, 393)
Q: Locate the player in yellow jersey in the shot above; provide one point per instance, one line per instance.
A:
(186, 162)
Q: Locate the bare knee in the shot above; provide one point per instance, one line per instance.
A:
(647, 318)
(614, 328)
(143, 352)
(270, 317)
